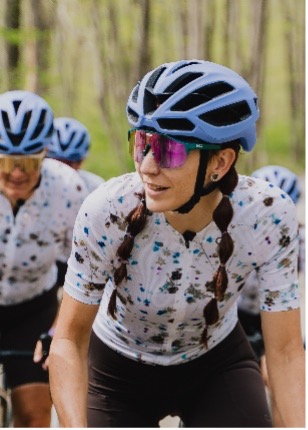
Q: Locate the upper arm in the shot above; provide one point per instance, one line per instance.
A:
(281, 331)
(75, 320)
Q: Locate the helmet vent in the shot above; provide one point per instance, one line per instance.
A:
(26, 121)
(5, 120)
(202, 95)
(80, 142)
(135, 93)
(132, 115)
(181, 81)
(32, 148)
(191, 63)
(50, 131)
(227, 115)
(176, 124)
(16, 104)
(40, 124)
(154, 77)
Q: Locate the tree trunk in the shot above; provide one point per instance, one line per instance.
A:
(39, 21)
(294, 43)
(12, 22)
(258, 64)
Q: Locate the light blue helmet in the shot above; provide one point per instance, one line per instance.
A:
(26, 123)
(282, 178)
(195, 100)
(70, 141)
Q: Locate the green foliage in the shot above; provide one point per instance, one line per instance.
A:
(81, 69)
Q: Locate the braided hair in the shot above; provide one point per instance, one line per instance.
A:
(222, 216)
(135, 223)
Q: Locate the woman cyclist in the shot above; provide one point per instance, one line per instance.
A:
(39, 201)
(248, 302)
(70, 144)
(158, 262)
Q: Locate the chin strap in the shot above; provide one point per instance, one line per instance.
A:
(199, 189)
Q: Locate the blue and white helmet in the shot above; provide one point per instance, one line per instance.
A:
(195, 100)
(26, 123)
(282, 178)
(70, 141)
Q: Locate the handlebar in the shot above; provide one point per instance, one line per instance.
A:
(15, 353)
(7, 354)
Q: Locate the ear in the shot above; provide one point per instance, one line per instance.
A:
(221, 162)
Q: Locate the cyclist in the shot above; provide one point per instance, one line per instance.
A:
(158, 261)
(39, 201)
(248, 303)
(70, 144)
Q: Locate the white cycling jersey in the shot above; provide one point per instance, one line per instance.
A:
(160, 305)
(39, 234)
(248, 300)
(91, 180)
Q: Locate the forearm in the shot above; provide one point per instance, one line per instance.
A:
(68, 382)
(287, 379)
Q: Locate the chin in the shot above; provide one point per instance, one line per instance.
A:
(160, 206)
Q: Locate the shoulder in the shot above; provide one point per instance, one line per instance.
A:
(92, 181)
(57, 174)
(257, 194)
(117, 196)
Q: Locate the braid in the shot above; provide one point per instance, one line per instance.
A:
(222, 216)
(136, 221)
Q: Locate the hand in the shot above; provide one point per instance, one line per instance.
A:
(41, 351)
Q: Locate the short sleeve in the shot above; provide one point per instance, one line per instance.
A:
(278, 275)
(89, 265)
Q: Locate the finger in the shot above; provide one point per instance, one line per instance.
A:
(38, 352)
(46, 364)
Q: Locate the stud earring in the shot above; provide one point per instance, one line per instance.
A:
(214, 177)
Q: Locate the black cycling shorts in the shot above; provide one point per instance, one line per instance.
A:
(252, 326)
(20, 328)
(223, 388)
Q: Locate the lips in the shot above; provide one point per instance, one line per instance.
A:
(155, 187)
(17, 183)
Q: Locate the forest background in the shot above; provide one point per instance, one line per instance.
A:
(85, 56)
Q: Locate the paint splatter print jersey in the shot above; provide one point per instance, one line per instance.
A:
(160, 305)
(39, 234)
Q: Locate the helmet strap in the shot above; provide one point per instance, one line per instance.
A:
(199, 189)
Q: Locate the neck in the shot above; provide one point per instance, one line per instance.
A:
(198, 218)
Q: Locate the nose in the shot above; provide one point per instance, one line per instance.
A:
(17, 171)
(148, 165)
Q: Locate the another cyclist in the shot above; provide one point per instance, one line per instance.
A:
(249, 303)
(39, 201)
(70, 144)
(159, 258)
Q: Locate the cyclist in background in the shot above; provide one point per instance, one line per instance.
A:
(70, 144)
(249, 303)
(39, 201)
(158, 261)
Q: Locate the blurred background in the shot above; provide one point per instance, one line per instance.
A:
(85, 56)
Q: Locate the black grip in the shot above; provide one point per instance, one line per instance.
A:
(46, 339)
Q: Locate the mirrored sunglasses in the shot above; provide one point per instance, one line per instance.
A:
(167, 152)
(27, 163)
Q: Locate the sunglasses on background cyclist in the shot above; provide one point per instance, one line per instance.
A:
(26, 163)
(167, 152)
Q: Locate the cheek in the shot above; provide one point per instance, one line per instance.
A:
(4, 177)
(34, 177)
